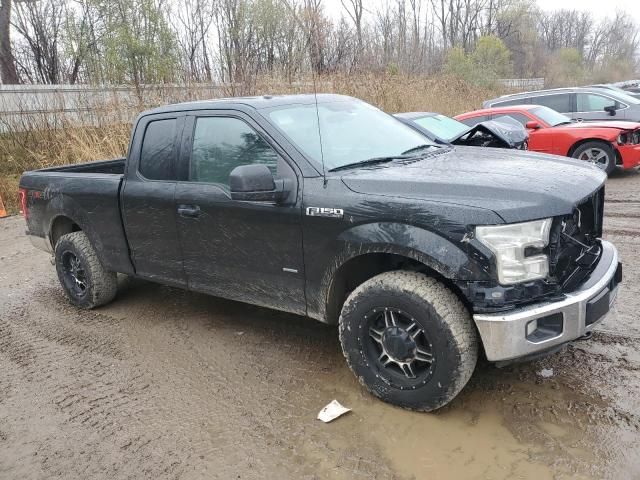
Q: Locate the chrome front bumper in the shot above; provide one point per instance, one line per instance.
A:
(505, 336)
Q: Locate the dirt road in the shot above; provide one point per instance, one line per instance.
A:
(165, 384)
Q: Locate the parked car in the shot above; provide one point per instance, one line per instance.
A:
(614, 88)
(580, 103)
(606, 144)
(499, 133)
(629, 86)
(327, 207)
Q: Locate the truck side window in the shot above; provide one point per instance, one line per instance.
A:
(158, 150)
(220, 144)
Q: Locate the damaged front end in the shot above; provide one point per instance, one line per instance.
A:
(584, 272)
(574, 245)
(574, 250)
(503, 132)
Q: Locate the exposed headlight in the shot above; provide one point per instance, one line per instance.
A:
(510, 243)
(623, 138)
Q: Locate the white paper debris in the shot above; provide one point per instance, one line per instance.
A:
(332, 411)
(546, 372)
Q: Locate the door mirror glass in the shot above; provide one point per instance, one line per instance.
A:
(532, 125)
(254, 183)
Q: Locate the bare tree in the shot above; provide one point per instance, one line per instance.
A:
(192, 21)
(8, 72)
(39, 23)
(235, 41)
(355, 9)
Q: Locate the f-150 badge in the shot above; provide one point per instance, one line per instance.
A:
(325, 212)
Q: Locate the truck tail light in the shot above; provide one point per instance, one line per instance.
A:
(22, 194)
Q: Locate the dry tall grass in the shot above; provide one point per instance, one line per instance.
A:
(54, 139)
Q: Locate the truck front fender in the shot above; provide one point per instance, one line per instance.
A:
(441, 254)
(451, 260)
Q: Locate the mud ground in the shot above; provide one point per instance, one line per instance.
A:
(165, 384)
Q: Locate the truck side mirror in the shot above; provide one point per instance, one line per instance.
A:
(611, 110)
(532, 125)
(255, 183)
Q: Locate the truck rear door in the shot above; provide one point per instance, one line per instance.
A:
(242, 250)
(148, 199)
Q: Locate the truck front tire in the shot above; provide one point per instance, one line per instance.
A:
(85, 281)
(408, 339)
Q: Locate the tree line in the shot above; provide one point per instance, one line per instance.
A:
(235, 41)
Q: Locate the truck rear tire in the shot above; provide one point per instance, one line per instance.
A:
(85, 281)
(408, 339)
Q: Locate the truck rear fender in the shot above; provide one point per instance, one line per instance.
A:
(64, 215)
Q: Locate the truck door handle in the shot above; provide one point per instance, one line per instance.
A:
(190, 211)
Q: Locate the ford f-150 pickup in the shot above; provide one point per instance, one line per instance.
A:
(424, 255)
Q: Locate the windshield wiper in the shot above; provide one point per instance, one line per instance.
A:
(418, 148)
(370, 161)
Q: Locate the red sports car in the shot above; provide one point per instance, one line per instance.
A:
(605, 143)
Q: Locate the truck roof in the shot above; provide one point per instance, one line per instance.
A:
(256, 102)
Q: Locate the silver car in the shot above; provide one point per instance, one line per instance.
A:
(579, 103)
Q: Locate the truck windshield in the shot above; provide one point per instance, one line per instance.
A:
(351, 132)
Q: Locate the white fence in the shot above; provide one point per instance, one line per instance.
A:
(523, 83)
(23, 106)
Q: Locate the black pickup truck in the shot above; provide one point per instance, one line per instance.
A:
(425, 255)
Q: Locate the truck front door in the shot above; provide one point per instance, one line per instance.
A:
(242, 250)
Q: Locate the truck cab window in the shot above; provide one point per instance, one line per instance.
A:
(158, 150)
(220, 144)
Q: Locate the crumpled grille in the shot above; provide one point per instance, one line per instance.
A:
(574, 248)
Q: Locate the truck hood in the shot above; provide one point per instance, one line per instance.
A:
(516, 185)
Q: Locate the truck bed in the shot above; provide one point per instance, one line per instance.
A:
(115, 167)
(85, 194)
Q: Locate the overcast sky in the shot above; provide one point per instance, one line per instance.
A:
(599, 8)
